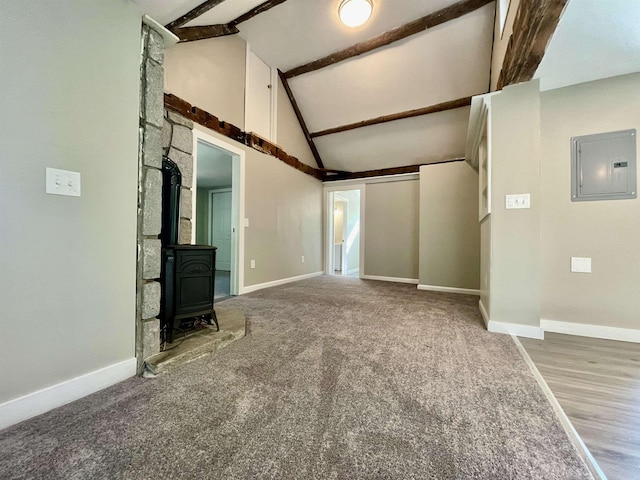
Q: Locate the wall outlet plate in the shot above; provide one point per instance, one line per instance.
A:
(581, 264)
(519, 200)
(62, 182)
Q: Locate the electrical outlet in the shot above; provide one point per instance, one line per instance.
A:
(302, 259)
(253, 263)
(62, 182)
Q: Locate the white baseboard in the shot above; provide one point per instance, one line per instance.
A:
(485, 315)
(435, 288)
(562, 416)
(275, 283)
(36, 403)
(594, 331)
(528, 331)
(352, 271)
(414, 281)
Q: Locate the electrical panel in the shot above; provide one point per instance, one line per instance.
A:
(603, 166)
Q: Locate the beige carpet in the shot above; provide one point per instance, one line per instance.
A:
(337, 378)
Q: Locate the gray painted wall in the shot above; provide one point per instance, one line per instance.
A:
(209, 74)
(67, 264)
(449, 230)
(606, 231)
(284, 208)
(515, 234)
(289, 132)
(284, 205)
(391, 229)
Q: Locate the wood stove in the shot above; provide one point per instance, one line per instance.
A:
(188, 271)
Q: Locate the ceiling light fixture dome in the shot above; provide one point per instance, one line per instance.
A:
(354, 13)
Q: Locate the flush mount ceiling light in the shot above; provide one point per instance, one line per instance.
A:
(354, 13)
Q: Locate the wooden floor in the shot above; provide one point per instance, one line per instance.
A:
(597, 383)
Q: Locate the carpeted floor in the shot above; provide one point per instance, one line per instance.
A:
(337, 378)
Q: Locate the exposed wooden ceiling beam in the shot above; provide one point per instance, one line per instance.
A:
(193, 14)
(383, 172)
(263, 7)
(190, 34)
(535, 22)
(436, 18)
(301, 121)
(206, 119)
(440, 107)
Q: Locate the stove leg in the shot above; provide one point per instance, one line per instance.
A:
(212, 316)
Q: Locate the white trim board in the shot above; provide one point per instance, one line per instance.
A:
(593, 331)
(169, 38)
(237, 203)
(41, 401)
(528, 331)
(390, 279)
(435, 288)
(584, 452)
(282, 281)
(343, 184)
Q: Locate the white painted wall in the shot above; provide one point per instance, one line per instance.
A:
(69, 72)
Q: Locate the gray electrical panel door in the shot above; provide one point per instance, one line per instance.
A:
(603, 166)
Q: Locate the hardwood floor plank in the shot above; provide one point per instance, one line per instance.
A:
(597, 384)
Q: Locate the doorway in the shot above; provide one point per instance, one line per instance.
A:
(218, 208)
(345, 241)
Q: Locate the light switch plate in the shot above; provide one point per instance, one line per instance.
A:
(520, 200)
(63, 182)
(246, 222)
(581, 264)
(253, 263)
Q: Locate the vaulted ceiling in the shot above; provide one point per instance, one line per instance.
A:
(411, 94)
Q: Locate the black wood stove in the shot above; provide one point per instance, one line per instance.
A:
(188, 271)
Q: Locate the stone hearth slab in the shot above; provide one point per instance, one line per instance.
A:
(199, 343)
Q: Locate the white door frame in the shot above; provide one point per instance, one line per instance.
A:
(345, 217)
(329, 199)
(237, 203)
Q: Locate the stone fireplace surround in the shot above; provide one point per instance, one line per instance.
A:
(161, 133)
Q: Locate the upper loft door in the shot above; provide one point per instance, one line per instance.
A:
(261, 86)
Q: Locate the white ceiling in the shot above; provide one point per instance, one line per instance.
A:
(411, 141)
(444, 63)
(299, 31)
(214, 167)
(595, 39)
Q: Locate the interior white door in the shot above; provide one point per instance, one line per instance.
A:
(221, 229)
